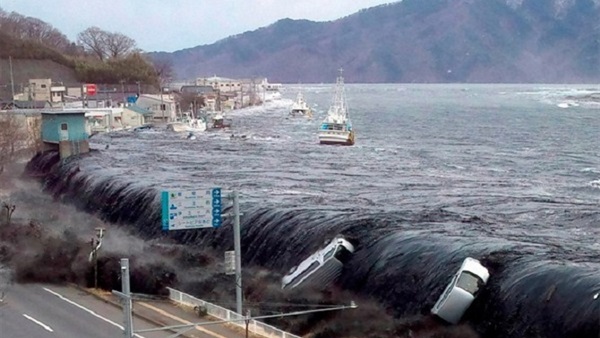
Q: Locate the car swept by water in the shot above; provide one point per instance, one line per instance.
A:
(320, 268)
(462, 290)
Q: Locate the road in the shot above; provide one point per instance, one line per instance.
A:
(37, 310)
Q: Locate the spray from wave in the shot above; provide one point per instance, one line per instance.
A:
(404, 260)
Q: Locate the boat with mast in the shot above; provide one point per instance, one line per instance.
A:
(336, 128)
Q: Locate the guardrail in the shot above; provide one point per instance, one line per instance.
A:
(222, 313)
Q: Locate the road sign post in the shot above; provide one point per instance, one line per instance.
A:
(202, 209)
(191, 209)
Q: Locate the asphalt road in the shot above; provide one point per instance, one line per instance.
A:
(36, 310)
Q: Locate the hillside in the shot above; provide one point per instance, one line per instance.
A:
(489, 41)
(31, 60)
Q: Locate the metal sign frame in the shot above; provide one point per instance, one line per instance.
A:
(193, 209)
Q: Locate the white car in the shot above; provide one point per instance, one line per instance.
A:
(322, 267)
(462, 290)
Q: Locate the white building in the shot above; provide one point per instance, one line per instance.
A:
(163, 106)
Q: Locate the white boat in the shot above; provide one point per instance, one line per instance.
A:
(321, 268)
(188, 124)
(336, 128)
(300, 107)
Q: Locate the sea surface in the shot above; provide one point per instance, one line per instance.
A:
(508, 174)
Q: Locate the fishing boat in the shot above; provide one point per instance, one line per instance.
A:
(300, 107)
(188, 123)
(336, 128)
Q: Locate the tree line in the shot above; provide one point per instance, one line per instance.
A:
(97, 56)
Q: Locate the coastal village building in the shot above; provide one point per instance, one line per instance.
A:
(135, 116)
(222, 84)
(65, 131)
(163, 106)
(45, 90)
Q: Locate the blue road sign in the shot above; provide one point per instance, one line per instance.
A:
(191, 209)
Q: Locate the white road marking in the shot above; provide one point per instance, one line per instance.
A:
(88, 310)
(48, 328)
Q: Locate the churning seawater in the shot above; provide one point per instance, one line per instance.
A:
(508, 174)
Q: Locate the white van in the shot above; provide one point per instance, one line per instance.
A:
(462, 290)
(322, 267)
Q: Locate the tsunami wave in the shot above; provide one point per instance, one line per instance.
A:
(403, 259)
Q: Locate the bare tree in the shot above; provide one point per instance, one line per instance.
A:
(93, 40)
(119, 45)
(28, 28)
(13, 138)
(164, 70)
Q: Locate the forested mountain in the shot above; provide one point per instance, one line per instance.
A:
(551, 41)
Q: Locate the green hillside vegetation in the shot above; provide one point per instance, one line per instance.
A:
(113, 59)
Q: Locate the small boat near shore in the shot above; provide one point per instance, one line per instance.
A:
(300, 107)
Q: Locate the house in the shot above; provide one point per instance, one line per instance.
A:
(45, 90)
(222, 84)
(65, 131)
(103, 119)
(163, 106)
(135, 116)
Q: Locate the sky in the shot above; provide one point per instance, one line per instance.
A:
(170, 25)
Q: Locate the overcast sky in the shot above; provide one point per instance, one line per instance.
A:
(169, 25)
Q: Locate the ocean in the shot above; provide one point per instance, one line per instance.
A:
(508, 174)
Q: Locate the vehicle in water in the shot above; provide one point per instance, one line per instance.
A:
(321, 268)
(461, 291)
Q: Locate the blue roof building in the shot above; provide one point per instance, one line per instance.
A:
(65, 131)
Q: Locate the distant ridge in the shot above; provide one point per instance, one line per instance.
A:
(475, 41)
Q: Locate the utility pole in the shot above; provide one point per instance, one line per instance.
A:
(123, 92)
(162, 104)
(96, 244)
(12, 81)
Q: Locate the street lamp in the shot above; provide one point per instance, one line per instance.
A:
(96, 244)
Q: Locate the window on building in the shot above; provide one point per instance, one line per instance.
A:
(63, 126)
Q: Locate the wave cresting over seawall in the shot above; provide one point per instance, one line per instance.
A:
(403, 259)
